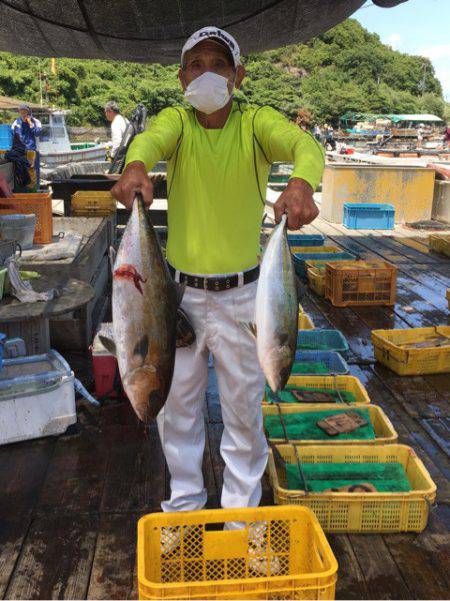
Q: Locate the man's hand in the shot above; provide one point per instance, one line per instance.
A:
(134, 179)
(297, 201)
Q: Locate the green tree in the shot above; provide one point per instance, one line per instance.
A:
(346, 68)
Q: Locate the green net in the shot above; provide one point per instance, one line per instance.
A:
(286, 396)
(386, 477)
(303, 426)
(309, 367)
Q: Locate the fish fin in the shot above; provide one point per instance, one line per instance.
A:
(249, 327)
(141, 346)
(180, 289)
(108, 344)
(112, 257)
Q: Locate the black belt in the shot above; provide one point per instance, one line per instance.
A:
(217, 284)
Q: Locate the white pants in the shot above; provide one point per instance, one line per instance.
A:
(215, 317)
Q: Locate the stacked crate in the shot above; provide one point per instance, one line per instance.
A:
(343, 511)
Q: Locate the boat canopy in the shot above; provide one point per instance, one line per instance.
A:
(351, 117)
(155, 30)
(414, 118)
(12, 104)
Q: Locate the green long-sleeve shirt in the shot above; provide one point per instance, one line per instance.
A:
(217, 180)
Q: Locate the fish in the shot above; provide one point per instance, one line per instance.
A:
(145, 301)
(276, 310)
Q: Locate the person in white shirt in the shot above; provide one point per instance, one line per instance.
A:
(118, 125)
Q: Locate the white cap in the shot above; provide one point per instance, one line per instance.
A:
(219, 35)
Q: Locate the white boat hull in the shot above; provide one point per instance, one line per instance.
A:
(96, 153)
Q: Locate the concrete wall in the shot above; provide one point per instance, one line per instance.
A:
(441, 201)
(409, 189)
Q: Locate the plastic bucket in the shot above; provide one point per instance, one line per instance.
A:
(3, 273)
(8, 249)
(18, 227)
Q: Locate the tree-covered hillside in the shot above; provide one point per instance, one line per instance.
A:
(346, 68)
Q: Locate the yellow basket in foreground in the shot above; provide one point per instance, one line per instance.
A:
(360, 512)
(384, 430)
(412, 361)
(342, 383)
(217, 563)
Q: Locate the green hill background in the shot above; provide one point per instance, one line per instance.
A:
(346, 68)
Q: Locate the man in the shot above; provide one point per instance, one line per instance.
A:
(317, 132)
(330, 144)
(24, 154)
(26, 127)
(219, 153)
(118, 125)
(420, 135)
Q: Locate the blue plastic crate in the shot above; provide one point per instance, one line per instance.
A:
(333, 361)
(5, 137)
(301, 258)
(322, 340)
(306, 239)
(367, 216)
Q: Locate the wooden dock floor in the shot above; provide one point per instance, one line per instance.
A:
(69, 505)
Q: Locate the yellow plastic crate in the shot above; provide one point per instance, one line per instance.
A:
(384, 430)
(315, 271)
(440, 244)
(360, 512)
(412, 361)
(344, 383)
(216, 564)
(316, 249)
(305, 322)
(316, 279)
(93, 203)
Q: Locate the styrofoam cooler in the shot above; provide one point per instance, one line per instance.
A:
(37, 397)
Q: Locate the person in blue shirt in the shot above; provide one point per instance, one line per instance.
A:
(26, 127)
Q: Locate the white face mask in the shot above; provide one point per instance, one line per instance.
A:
(208, 93)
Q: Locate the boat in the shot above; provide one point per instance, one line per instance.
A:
(55, 147)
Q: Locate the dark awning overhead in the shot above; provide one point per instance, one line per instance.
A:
(12, 104)
(155, 30)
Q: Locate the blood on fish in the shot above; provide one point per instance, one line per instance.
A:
(129, 272)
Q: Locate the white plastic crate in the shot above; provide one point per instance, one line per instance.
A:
(37, 397)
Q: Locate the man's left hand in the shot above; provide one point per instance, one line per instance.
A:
(297, 202)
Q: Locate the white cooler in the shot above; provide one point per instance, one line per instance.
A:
(37, 397)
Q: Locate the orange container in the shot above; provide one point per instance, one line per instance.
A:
(39, 203)
(360, 283)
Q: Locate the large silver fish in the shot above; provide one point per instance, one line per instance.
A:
(276, 310)
(145, 300)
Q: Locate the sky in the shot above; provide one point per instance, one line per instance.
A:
(415, 27)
